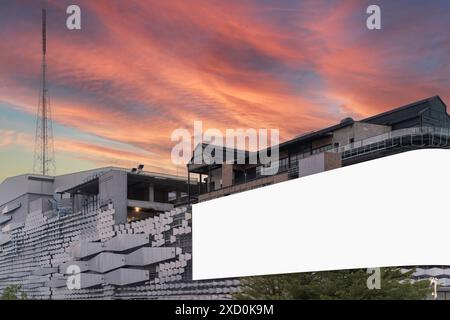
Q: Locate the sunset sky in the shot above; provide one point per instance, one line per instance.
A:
(140, 69)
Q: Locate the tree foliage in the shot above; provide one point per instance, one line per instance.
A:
(330, 285)
(13, 292)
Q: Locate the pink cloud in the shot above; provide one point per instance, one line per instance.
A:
(139, 70)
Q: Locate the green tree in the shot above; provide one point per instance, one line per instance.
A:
(344, 284)
(13, 292)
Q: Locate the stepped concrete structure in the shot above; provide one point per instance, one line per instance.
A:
(126, 234)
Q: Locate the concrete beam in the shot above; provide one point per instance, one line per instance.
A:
(147, 256)
(125, 242)
(106, 261)
(86, 248)
(124, 276)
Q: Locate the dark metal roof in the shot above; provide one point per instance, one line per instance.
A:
(391, 117)
(317, 134)
(405, 112)
(203, 167)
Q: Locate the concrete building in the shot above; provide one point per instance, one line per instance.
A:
(422, 124)
(127, 233)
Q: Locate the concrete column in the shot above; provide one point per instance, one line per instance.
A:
(113, 187)
(227, 175)
(151, 193)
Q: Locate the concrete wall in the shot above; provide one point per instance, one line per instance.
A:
(332, 160)
(342, 136)
(40, 204)
(319, 163)
(113, 186)
(18, 215)
(227, 175)
(12, 188)
(215, 178)
(358, 131)
(15, 187)
(367, 130)
(22, 190)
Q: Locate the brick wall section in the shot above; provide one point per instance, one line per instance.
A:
(333, 160)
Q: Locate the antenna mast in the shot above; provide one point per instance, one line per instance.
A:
(44, 160)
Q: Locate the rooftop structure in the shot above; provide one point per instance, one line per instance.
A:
(422, 124)
(136, 195)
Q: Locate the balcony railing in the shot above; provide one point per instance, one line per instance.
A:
(408, 137)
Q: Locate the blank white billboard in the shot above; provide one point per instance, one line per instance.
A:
(392, 211)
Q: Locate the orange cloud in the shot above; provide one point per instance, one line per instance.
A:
(138, 70)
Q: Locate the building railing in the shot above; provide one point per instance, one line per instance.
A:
(415, 137)
(438, 137)
(239, 187)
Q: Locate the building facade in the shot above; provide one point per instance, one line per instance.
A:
(127, 234)
(423, 124)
